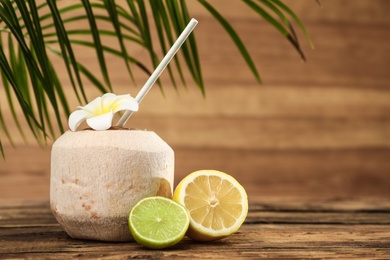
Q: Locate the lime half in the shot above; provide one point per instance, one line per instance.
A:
(158, 222)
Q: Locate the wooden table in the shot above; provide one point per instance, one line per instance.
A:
(311, 146)
(274, 228)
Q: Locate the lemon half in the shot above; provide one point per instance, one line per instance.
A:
(216, 202)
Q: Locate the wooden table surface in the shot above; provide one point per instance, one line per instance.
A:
(311, 145)
(275, 228)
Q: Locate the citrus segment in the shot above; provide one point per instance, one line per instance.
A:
(216, 202)
(158, 222)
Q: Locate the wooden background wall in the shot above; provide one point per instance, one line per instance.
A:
(314, 129)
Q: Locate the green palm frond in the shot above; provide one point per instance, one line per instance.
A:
(32, 31)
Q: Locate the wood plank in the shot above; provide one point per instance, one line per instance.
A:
(329, 11)
(348, 54)
(345, 77)
(303, 173)
(268, 133)
(349, 51)
(332, 218)
(25, 173)
(317, 204)
(35, 214)
(300, 173)
(266, 233)
(288, 102)
(318, 128)
(273, 133)
(265, 114)
(273, 241)
(22, 213)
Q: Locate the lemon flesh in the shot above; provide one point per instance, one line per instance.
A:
(216, 202)
(158, 222)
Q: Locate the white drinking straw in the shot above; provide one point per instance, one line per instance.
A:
(160, 68)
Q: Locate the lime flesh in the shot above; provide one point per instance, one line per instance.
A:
(158, 222)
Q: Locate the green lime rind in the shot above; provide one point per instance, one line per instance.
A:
(158, 222)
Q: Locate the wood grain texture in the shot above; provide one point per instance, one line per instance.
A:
(269, 231)
(288, 172)
(319, 128)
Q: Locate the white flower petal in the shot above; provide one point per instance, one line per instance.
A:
(100, 111)
(109, 98)
(108, 102)
(94, 107)
(77, 117)
(125, 102)
(101, 122)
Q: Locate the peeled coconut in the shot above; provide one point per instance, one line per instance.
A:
(98, 176)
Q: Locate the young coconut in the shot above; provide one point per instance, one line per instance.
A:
(98, 176)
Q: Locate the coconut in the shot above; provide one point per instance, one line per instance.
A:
(98, 176)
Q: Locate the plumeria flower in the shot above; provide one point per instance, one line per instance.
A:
(100, 111)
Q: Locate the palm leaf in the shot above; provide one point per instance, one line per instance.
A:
(234, 36)
(22, 77)
(180, 20)
(4, 127)
(26, 108)
(139, 13)
(296, 19)
(113, 14)
(193, 47)
(162, 24)
(287, 32)
(38, 67)
(67, 51)
(2, 150)
(98, 44)
(29, 78)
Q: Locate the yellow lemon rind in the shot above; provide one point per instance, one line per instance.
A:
(198, 232)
